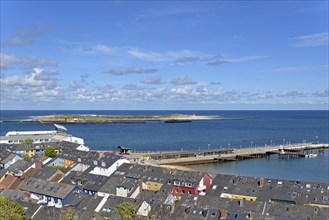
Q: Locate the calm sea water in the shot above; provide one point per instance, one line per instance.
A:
(257, 128)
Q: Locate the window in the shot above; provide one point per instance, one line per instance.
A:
(176, 190)
(183, 191)
(177, 183)
(189, 192)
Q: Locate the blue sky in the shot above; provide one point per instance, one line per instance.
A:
(164, 55)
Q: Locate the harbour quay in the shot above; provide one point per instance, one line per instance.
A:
(226, 154)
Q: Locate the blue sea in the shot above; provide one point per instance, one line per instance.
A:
(256, 128)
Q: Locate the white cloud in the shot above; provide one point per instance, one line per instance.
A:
(28, 62)
(26, 36)
(132, 87)
(223, 60)
(130, 70)
(183, 80)
(147, 55)
(324, 94)
(312, 40)
(35, 86)
(100, 48)
(16, 41)
(156, 80)
(291, 94)
(169, 56)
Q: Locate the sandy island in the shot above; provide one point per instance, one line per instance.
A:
(89, 118)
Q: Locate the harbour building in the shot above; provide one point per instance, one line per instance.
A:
(57, 135)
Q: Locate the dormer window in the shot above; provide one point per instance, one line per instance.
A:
(95, 162)
(80, 182)
(103, 164)
(177, 183)
(73, 182)
(79, 159)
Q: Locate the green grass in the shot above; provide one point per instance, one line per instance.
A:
(96, 118)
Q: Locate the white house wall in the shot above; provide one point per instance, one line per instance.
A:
(108, 171)
(144, 209)
(135, 194)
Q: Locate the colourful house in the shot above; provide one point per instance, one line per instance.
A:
(150, 185)
(188, 182)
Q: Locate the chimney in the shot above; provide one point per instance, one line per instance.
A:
(38, 165)
(249, 215)
(223, 214)
(140, 184)
(261, 182)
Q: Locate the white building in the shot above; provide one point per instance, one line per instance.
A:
(59, 134)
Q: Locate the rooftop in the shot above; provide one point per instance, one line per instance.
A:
(44, 187)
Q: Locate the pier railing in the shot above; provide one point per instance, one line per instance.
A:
(216, 155)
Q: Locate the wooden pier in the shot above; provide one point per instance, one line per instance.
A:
(231, 154)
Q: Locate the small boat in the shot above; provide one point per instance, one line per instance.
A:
(311, 155)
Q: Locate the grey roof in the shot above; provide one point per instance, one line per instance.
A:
(111, 185)
(108, 209)
(84, 201)
(208, 207)
(4, 153)
(95, 182)
(301, 192)
(76, 176)
(88, 181)
(13, 194)
(20, 165)
(44, 187)
(117, 180)
(74, 155)
(3, 172)
(159, 174)
(108, 160)
(45, 173)
(7, 158)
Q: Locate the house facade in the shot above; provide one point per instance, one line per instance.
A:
(196, 186)
(49, 193)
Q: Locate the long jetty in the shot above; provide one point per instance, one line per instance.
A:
(228, 154)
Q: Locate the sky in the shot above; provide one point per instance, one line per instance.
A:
(164, 55)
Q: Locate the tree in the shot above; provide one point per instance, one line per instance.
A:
(126, 210)
(50, 152)
(25, 156)
(28, 141)
(67, 214)
(10, 210)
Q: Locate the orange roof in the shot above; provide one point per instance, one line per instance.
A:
(10, 182)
